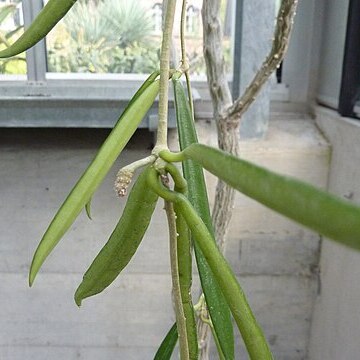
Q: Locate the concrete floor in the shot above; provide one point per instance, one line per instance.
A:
(274, 258)
(37, 170)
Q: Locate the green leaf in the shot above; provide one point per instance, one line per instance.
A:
(185, 279)
(123, 242)
(48, 17)
(184, 257)
(88, 209)
(316, 209)
(151, 78)
(197, 194)
(168, 345)
(94, 174)
(251, 332)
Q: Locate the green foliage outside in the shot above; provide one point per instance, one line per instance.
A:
(85, 40)
(99, 38)
(16, 65)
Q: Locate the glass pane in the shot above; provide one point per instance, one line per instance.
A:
(194, 34)
(11, 27)
(124, 36)
(112, 36)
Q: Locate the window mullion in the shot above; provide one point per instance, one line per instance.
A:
(36, 56)
(237, 44)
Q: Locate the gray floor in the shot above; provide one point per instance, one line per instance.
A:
(37, 169)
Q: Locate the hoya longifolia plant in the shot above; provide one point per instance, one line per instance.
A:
(184, 193)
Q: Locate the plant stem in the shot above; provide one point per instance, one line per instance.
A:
(182, 31)
(184, 62)
(161, 144)
(179, 312)
(161, 141)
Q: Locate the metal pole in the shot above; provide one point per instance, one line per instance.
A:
(237, 48)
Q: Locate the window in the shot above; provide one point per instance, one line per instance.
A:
(112, 36)
(11, 27)
(92, 61)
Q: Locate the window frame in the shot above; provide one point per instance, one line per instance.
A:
(26, 99)
(350, 78)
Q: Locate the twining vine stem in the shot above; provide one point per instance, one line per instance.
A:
(184, 63)
(179, 311)
(161, 141)
(161, 144)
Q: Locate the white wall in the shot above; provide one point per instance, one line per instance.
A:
(336, 320)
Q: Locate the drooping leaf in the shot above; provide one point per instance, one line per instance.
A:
(184, 257)
(168, 345)
(123, 242)
(197, 194)
(250, 330)
(88, 209)
(48, 17)
(316, 209)
(94, 174)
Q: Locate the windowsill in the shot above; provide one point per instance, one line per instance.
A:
(90, 100)
(331, 122)
(6, 80)
(79, 87)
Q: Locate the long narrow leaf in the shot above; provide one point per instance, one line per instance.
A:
(184, 258)
(49, 16)
(94, 175)
(168, 345)
(251, 332)
(316, 209)
(123, 242)
(197, 194)
(152, 77)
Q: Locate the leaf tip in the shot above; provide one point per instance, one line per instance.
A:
(31, 280)
(78, 299)
(88, 209)
(32, 273)
(79, 296)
